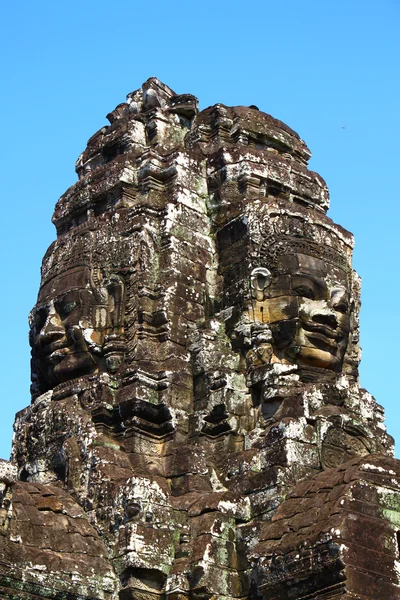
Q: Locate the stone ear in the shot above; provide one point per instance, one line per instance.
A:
(114, 343)
(260, 279)
(110, 303)
(115, 288)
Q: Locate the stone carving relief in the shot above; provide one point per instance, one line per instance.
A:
(306, 308)
(341, 445)
(77, 326)
(300, 307)
(194, 363)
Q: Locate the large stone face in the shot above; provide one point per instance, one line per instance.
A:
(197, 428)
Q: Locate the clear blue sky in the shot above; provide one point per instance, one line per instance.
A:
(328, 68)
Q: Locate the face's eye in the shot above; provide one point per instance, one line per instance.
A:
(340, 300)
(304, 290)
(342, 306)
(65, 308)
(309, 286)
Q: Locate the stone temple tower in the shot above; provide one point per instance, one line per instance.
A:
(197, 430)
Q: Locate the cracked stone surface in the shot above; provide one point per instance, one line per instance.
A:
(197, 429)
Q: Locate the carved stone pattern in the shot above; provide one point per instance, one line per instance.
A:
(197, 429)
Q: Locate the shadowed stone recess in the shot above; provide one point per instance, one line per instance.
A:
(197, 429)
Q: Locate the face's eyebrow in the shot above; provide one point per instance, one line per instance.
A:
(58, 297)
(340, 291)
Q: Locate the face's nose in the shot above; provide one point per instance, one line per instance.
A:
(53, 328)
(326, 318)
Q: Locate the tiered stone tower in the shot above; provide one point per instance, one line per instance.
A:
(197, 429)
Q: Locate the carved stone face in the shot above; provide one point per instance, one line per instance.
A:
(65, 340)
(307, 308)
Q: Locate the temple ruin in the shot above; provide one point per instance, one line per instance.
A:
(197, 429)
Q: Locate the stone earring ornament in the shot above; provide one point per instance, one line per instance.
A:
(260, 279)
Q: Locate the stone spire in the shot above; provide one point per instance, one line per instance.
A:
(197, 428)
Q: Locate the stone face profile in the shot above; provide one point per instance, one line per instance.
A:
(197, 429)
(301, 292)
(77, 326)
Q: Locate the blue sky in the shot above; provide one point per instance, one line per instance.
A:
(329, 69)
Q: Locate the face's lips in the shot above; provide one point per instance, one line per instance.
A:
(322, 342)
(323, 337)
(57, 355)
(54, 348)
(322, 331)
